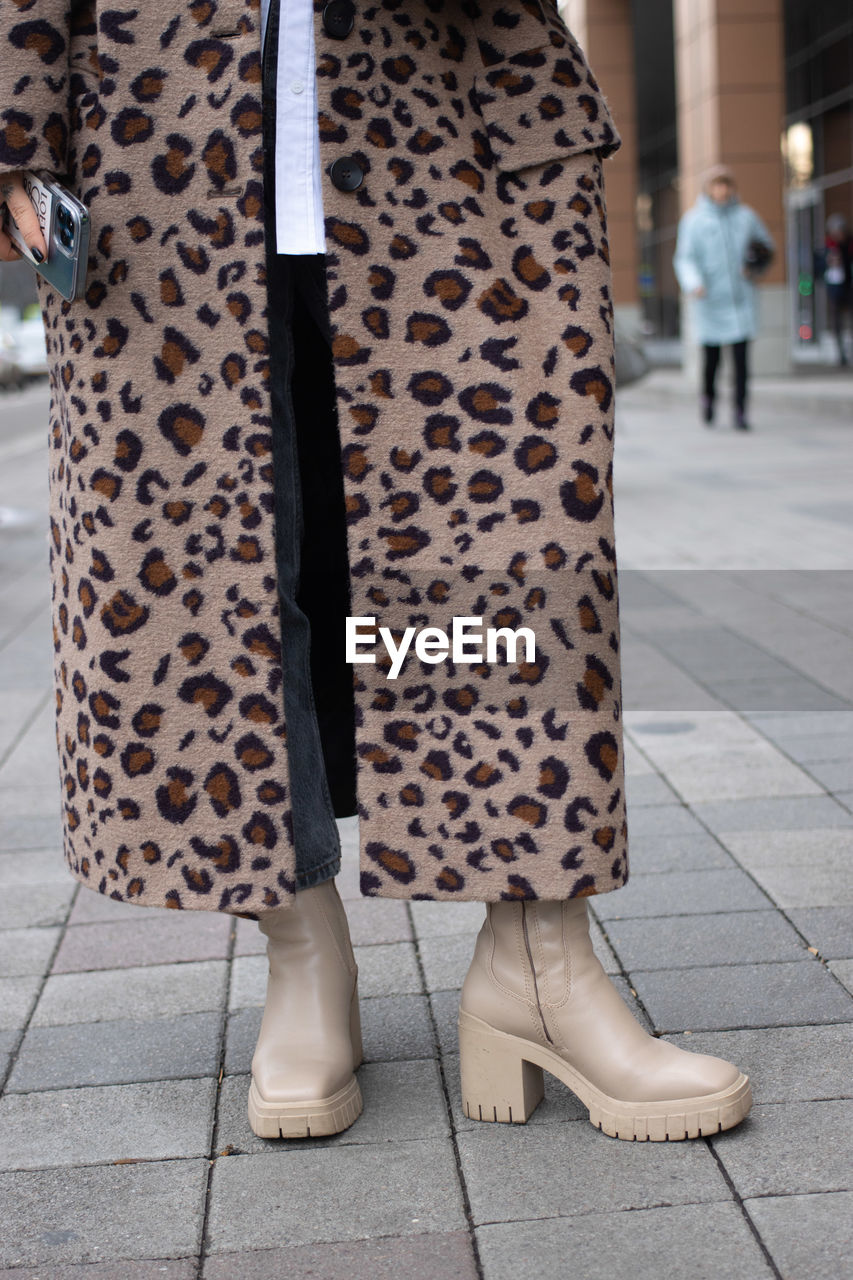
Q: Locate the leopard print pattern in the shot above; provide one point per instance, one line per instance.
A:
(469, 290)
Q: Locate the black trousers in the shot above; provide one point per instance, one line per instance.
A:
(711, 364)
(311, 539)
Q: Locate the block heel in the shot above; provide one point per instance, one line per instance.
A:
(498, 1083)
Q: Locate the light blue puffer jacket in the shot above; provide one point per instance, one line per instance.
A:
(710, 250)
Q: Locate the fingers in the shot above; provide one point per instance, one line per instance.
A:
(20, 207)
(9, 251)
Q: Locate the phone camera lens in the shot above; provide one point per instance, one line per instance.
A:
(65, 238)
(64, 215)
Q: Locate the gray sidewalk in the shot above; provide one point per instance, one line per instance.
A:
(126, 1035)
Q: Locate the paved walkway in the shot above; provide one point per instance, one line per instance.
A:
(126, 1035)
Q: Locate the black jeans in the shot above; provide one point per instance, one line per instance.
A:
(311, 546)
(711, 363)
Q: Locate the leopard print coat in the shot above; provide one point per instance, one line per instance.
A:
(470, 297)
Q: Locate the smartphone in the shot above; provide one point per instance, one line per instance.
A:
(64, 221)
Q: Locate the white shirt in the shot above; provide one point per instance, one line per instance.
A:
(299, 224)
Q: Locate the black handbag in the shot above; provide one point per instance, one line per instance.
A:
(757, 258)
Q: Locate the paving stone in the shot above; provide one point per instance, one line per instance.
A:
(695, 851)
(16, 802)
(17, 996)
(681, 893)
(716, 770)
(8, 1040)
(829, 929)
(784, 1064)
(34, 906)
(158, 1121)
(160, 991)
(835, 775)
(780, 725)
(32, 831)
(16, 709)
(445, 1009)
(248, 941)
(446, 960)
(48, 1218)
(120, 1052)
(773, 813)
(374, 921)
(646, 789)
(34, 867)
(806, 748)
(183, 935)
(678, 1242)
(679, 942)
(427, 1257)
(843, 971)
(797, 869)
(780, 994)
(393, 1028)
(790, 1148)
(26, 951)
(341, 1193)
(515, 1172)
(440, 919)
(808, 1235)
(772, 691)
(665, 820)
(387, 970)
(396, 1028)
(402, 1101)
(159, 1269)
(96, 908)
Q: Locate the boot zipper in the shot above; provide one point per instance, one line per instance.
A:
(533, 971)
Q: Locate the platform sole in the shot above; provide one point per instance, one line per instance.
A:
(316, 1118)
(503, 1082)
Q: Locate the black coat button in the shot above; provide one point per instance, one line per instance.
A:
(338, 18)
(346, 173)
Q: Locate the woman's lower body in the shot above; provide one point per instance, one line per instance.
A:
(518, 1015)
(711, 354)
(536, 997)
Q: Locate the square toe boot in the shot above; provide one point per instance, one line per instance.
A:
(303, 1082)
(536, 998)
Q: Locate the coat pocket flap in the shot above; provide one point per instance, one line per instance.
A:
(544, 104)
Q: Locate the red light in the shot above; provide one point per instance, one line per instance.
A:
(806, 332)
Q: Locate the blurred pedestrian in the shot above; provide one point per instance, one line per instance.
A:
(722, 247)
(836, 267)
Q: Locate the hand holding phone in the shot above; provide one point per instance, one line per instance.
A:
(58, 244)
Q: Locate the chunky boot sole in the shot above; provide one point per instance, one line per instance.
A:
(319, 1118)
(502, 1080)
(315, 1117)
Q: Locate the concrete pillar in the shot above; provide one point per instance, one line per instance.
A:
(730, 85)
(604, 30)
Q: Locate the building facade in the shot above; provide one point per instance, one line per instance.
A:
(765, 86)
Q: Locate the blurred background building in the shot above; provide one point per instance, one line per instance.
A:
(765, 86)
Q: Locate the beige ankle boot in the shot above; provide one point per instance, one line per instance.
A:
(536, 997)
(310, 1041)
